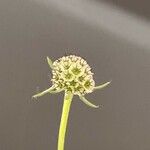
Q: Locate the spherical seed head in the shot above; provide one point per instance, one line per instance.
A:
(72, 73)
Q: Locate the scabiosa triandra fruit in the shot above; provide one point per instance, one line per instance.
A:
(73, 75)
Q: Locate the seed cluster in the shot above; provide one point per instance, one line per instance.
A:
(72, 73)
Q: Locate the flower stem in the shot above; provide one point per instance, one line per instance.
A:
(64, 119)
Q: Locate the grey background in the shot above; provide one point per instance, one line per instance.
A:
(28, 33)
(140, 7)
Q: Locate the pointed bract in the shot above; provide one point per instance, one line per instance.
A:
(102, 86)
(50, 63)
(87, 102)
(49, 90)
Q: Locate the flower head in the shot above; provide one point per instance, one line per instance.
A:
(72, 74)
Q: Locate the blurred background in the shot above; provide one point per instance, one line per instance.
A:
(112, 35)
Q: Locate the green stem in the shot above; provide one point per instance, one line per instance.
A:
(64, 119)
